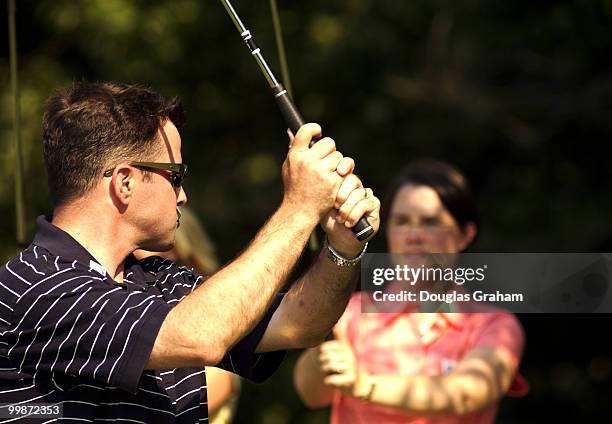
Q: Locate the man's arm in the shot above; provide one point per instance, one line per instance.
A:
(316, 301)
(310, 308)
(207, 323)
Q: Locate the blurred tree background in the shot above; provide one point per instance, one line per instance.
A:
(518, 94)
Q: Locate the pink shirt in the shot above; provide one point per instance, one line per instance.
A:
(418, 343)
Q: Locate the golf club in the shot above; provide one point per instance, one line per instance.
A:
(292, 116)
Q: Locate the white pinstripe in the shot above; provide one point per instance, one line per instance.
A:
(46, 293)
(16, 275)
(126, 342)
(119, 325)
(27, 349)
(185, 378)
(6, 306)
(76, 347)
(59, 348)
(93, 305)
(187, 410)
(8, 289)
(29, 264)
(138, 405)
(188, 393)
(100, 329)
(16, 343)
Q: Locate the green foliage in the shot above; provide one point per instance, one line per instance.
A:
(518, 94)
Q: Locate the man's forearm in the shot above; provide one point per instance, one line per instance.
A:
(316, 300)
(225, 308)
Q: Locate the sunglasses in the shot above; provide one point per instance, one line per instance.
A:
(177, 176)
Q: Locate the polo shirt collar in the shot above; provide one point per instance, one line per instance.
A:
(59, 242)
(134, 272)
(454, 319)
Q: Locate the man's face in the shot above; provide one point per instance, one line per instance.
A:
(157, 201)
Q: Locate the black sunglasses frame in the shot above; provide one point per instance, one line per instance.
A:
(176, 177)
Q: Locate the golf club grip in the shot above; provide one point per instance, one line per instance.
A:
(294, 120)
(291, 115)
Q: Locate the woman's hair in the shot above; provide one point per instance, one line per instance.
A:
(193, 246)
(450, 185)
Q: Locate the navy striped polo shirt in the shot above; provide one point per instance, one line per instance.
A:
(70, 334)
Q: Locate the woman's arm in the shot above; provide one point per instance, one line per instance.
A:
(219, 388)
(480, 379)
(308, 380)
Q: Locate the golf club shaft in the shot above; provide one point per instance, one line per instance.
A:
(291, 115)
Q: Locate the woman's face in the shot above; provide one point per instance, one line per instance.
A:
(419, 223)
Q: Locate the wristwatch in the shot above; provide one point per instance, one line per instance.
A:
(340, 260)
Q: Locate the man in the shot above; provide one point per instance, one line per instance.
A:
(87, 326)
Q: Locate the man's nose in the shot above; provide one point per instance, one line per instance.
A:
(182, 197)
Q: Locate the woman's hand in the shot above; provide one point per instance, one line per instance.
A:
(338, 361)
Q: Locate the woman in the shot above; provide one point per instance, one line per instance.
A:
(407, 366)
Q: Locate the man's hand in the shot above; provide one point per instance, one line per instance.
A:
(352, 202)
(337, 360)
(310, 175)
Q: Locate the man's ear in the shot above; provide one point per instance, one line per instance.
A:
(467, 235)
(122, 183)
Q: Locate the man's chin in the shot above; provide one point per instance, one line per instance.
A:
(157, 246)
(166, 247)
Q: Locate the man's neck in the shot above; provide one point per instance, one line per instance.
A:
(99, 234)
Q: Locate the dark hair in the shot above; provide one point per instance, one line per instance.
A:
(90, 127)
(450, 185)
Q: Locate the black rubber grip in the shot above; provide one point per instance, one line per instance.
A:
(290, 113)
(294, 120)
(362, 229)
